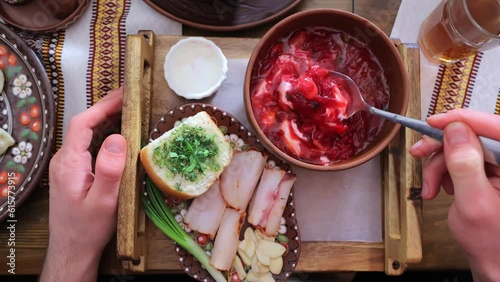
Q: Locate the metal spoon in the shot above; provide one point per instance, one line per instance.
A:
(491, 148)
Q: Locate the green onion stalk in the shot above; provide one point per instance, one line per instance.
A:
(160, 214)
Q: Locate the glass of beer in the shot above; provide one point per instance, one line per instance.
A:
(457, 29)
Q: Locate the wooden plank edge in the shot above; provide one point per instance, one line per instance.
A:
(341, 256)
(390, 188)
(412, 199)
(136, 113)
(126, 222)
(317, 256)
(392, 215)
(403, 239)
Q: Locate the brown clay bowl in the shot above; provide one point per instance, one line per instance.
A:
(381, 46)
(223, 15)
(43, 16)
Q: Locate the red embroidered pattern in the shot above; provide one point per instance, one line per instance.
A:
(454, 85)
(107, 48)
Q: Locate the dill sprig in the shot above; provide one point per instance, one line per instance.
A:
(188, 152)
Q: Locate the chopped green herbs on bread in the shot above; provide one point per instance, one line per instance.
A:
(186, 160)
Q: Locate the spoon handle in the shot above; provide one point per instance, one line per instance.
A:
(491, 148)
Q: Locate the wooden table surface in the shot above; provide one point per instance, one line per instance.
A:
(440, 252)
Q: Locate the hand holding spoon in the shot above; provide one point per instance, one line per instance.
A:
(491, 148)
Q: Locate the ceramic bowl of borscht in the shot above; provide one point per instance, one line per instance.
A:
(298, 110)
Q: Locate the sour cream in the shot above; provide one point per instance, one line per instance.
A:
(195, 68)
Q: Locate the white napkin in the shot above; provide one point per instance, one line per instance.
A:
(484, 94)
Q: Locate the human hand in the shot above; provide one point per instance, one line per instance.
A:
(83, 204)
(458, 166)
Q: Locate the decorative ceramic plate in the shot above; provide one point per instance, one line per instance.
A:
(43, 15)
(223, 15)
(241, 139)
(27, 114)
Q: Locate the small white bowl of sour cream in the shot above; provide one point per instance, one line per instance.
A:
(195, 68)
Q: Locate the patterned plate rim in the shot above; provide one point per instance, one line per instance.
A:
(37, 70)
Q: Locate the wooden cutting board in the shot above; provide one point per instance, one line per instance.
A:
(143, 247)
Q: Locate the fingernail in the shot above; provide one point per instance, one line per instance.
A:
(436, 116)
(456, 133)
(115, 146)
(425, 190)
(416, 145)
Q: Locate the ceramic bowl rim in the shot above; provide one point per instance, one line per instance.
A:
(366, 155)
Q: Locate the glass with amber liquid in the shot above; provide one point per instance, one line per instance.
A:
(457, 29)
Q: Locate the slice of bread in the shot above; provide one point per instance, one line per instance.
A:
(178, 184)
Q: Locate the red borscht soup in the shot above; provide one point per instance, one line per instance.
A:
(301, 108)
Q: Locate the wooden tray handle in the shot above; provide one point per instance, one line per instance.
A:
(403, 181)
(136, 118)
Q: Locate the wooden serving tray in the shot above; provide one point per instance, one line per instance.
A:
(143, 247)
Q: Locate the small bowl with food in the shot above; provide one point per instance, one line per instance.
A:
(298, 109)
(195, 68)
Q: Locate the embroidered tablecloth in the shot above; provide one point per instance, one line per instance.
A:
(85, 61)
(470, 83)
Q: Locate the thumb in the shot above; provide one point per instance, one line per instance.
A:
(109, 167)
(465, 163)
